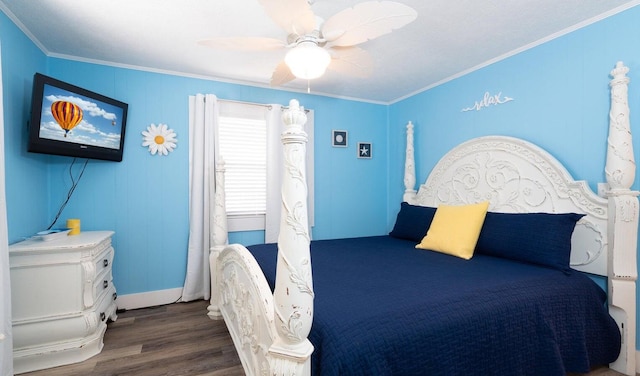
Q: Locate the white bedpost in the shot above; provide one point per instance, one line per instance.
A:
(409, 168)
(218, 233)
(623, 221)
(293, 294)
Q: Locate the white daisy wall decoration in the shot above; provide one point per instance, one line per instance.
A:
(160, 139)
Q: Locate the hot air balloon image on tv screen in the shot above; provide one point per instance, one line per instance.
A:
(72, 121)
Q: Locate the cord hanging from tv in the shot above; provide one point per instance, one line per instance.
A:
(74, 184)
(71, 121)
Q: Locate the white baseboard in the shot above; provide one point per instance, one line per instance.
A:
(149, 299)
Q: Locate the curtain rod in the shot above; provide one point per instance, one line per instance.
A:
(269, 106)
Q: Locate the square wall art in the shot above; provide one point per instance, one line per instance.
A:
(339, 139)
(364, 150)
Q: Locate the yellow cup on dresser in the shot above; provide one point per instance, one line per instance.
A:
(74, 226)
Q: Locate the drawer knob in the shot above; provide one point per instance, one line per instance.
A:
(105, 263)
(105, 284)
(102, 316)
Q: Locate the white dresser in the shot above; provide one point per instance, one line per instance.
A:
(62, 295)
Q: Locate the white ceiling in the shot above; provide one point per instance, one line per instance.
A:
(449, 38)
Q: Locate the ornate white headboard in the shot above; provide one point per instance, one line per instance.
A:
(517, 176)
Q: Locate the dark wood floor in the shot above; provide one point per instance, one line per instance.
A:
(176, 339)
(173, 340)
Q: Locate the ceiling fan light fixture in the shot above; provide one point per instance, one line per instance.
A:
(307, 60)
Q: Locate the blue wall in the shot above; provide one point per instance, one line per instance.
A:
(561, 102)
(144, 199)
(27, 181)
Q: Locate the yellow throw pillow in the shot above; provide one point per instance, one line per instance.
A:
(455, 229)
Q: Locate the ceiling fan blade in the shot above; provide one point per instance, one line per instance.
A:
(353, 61)
(243, 43)
(366, 21)
(294, 16)
(281, 75)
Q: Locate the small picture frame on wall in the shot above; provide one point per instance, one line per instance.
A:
(364, 150)
(339, 139)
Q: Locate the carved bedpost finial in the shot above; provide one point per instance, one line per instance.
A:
(409, 167)
(621, 167)
(294, 117)
(293, 293)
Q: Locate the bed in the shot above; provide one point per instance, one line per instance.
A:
(523, 304)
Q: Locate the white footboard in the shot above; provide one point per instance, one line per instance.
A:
(246, 304)
(269, 330)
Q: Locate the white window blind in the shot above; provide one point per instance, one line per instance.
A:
(243, 146)
(249, 143)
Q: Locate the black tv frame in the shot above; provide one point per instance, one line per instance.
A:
(45, 138)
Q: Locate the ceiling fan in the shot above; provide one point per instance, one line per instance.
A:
(314, 45)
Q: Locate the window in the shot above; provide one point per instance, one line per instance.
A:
(243, 145)
(245, 133)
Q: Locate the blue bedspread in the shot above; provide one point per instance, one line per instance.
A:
(383, 307)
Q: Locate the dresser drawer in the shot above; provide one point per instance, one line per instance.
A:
(95, 287)
(106, 306)
(97, 277)
(104, 260)
(103, 282)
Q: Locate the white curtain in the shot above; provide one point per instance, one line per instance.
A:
(6, 339)
(203, 119)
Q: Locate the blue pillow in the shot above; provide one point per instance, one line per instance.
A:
(412, 222)
(537, 238)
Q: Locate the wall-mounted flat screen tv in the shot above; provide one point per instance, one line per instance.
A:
(75, 122)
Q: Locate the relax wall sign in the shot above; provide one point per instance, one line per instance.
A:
(488, 100)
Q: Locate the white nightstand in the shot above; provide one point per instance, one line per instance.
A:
(62, 294)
